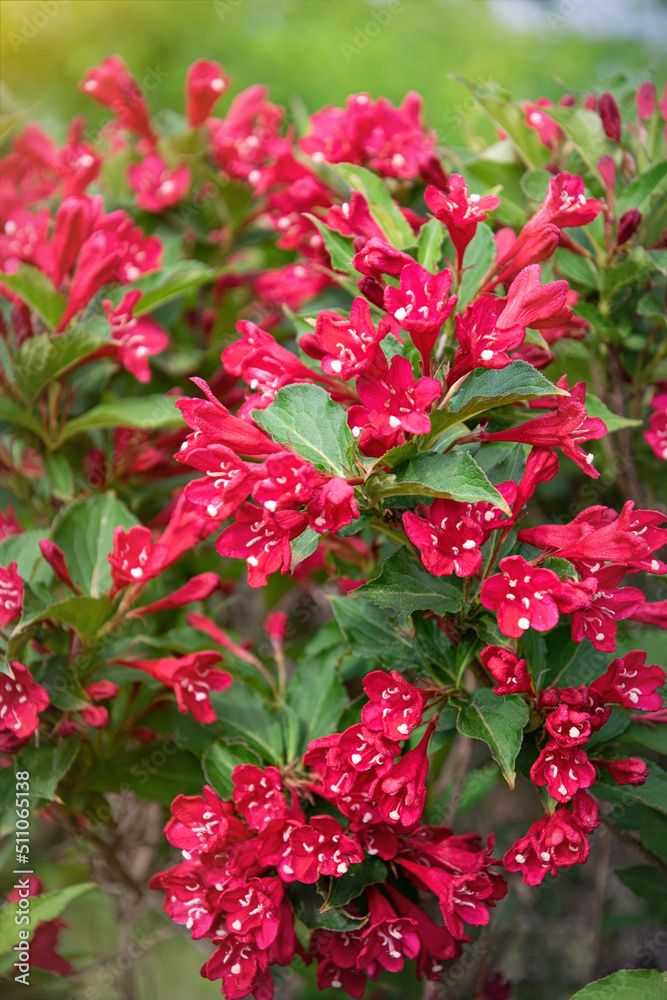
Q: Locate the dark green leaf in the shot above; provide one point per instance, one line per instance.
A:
(316, 695)
(404, 585)
(37, 292)
(303, 546)
(455, 476)
(48, 764)
(596, 408)
(246, 719)
(168, 283)
(584, 128)
(338, 247)
(305, 418)
(653, 793)
(371, 633)
(653, 830)
(306, 902)
(511, 119)
(42, 908)
(14, 415)
(642, 189)
(346, 888)
(499, 721)
(647, 883)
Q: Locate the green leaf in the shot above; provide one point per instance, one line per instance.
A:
(561, 567)
(640, 191)
(148, 412)
(628, 984)
(150, 773)
(596, 408)
(579, 270)
(12, 414)
(487, 388)
(44, 358)
(85, 615)
(84, 531)
(167, 284)
(37, 292)
(429, 245)
(24, 550)
(218, 763)
(455, 476)
(534, 184)
(646, 883)
(305, 418)
(653, 831)
(338, 247)
(48, 764)
(246, 719)
(45, 907)
(480, 254)
(306, 902)
(653, 737)
(404, 585)
(653, 793)
(303, 546)
(316, 695)
(380, 202)
(584, 128)
(350, 885)
(371, 632)
(499, 722)
(510, 118)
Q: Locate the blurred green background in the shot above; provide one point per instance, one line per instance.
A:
(319, 51)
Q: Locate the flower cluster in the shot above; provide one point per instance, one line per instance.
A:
(245, 860)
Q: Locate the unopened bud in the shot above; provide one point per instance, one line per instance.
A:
(610, 117)
(645, 99)
(628, 225)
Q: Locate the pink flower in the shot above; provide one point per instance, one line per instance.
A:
(212, 423)
(631, 771)
(262, 539)
(111, 85)
(529, 303)
(568, 727)
(242, 966)
(157, 186)
(402, 793)
(137, 338)
(395, 706)
(202, 824)
(630, 682)
(564, 770)
(387, 938)
(421, 306)
(364, 749)
(554, 842)
(55, 557)
(74, 222)
(508, 671)
(288, 481)
(204, 84)
(333, 506)
(21, 699)
(196, 589)
(549, 132)
(609, 605)
(345, 346)
(320, 848)
(253, 910)
(377, 257)
(11, 594)
(566, 428)
(449, 540)
(564, 205)
(191, 677)
(482, 344)
(645, 99)
(9, 524)
(394, 404)
(523, 596)
(133, 559)
(353, 218)
(460, 211)
(258, 794)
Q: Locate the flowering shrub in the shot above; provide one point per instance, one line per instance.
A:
(415, 383)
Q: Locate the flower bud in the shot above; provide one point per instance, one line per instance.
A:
(610, 116)
(628, 224)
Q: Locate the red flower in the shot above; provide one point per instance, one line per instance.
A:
(460, 211)
(253, 910)
(564, 770)
(21, 699)
(645, 98)
(345, 345)
(523, 596)
(631, 771)
(630, 682)
(288, 481)
(354, 218)
(137, 337)
(609, 605)
(421, 305)
(133, 559)
(364, 749)
(436, 944)
(554, 842)
(111, 85)
(258, 794)
(508, 671)
(549, 132)
(402, 793)
(529, 303)
(74, 222)
(333, 506)
(449, 540)
(387, 938)
(262, 539)
(202, 824)
(377, 257)
(395, 707)
(204, 84)
(242, 966)
(156, 185)
(564, 205)
(393, 403)
(610, 117)
(482, 344)
(320, 848)
(192, 679)
(55, 557)
(11, 594)
(569, 727)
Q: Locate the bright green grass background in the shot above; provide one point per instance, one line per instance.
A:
(318, 51)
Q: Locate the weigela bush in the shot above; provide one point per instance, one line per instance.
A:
(426, 386)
